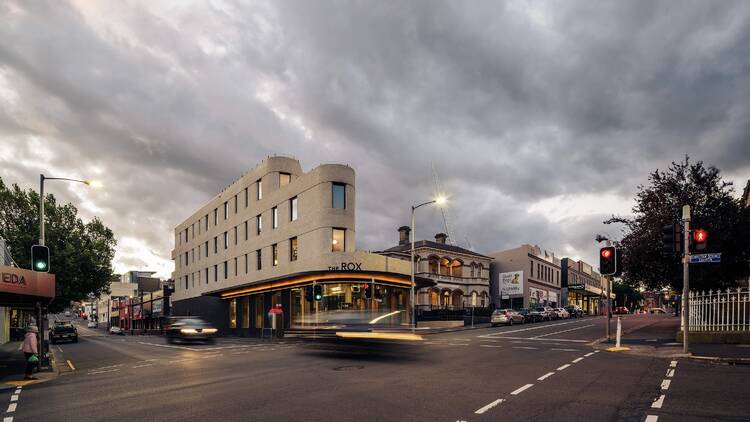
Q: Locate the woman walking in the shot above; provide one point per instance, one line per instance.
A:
(30, 349)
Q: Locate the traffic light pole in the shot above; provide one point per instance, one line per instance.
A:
(685, 279)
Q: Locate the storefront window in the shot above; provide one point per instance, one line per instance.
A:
(259, 311)
(233, 313)
(246, 312)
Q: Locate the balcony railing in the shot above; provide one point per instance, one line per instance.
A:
(454, 279)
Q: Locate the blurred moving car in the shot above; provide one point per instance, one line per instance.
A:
(189, 329)
(63, 330)
(574, 311)
(116, 330)
(562, 313)
(621, 310)
(67, 313)
(91, 324)
(506, 316)
(657, 311)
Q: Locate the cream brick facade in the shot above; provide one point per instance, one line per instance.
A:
(196, 256)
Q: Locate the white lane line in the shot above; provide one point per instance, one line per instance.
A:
(597, 351)
(144, 365)
(171, 346)
(108, 367)
(521, 390)
(489, 406)
(212, 356)
(566, 350)
(543, 339)
(103, 372)
(502, 333)
(458, 344)
(72, 368)
(526, 347)
(11, 408)
(180, 360)
(673, 364)
(589, 354)
(577, 360)
(14, 397)
(652, 418)
(665, 384)
(670, 373)
(59, 349)
(8, 419)
(658, 402)
(563, 367)
(564, 331)
(545, 376)
(489, 345)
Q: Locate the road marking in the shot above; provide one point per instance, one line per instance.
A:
(665, 384)
(108, 367)
(521, 390)
(542, 339)
(545, 376)
(103, 372)
(563, 367)
(658, 402)
(564, 331)
(11, 408)
(171, 346)
(673, 364)
(144, 365)
(577, 360)
(14, 397)
(597, 351)
(589, 354)
(458, 344)
(670, 373)
(489, 345)
(501, 333)
(72, 368)
(60, 349)
(526, 347)
(566, 350)
(489, 406)
(652, 418)
(180, 360)
(8, 419)
(212, 356)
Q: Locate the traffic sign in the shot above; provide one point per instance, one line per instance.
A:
(705, 258)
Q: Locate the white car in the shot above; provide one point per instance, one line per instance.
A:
(91, 324)
(116, 330)
(562, 313)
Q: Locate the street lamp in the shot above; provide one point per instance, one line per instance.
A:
(440, 201)
(42, 178)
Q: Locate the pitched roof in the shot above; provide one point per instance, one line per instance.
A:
(434, 245)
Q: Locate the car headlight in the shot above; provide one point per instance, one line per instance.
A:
(209, 330)
(188, 331)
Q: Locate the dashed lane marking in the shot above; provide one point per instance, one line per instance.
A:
(589, 354)
(526, 347)
(8, 419)
(545, 376)
(665, 384)
(11, 408)
(670, 373)
(566, 350)
(564, 331)
(673, 364)
(103, 372)
(563, 367)
(14, 397)
(521, 390)
(72, 368)
(652, 418)
(543, 339)
(502, 333)
(144, 365)
(577, 360)
(490, 345)
(458, 344)
(658, 402)
(489, 406)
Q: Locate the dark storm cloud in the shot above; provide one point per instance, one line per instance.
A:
(514, 102)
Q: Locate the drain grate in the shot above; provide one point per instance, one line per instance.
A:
(348, 368)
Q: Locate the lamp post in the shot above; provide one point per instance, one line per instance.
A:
(440, 201)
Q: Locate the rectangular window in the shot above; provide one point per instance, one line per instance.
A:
(339, 195)
(205, 248)
(226, 270)
(293, 249)
(235, 204)
(216, 217)
(275, 254)
(338, 240)
(236, 273)
(245, 312)
(186, 283)
(293, 209)
(259, 311)
(206, 220)
(259, 184)
(206, 275)
(275, 217)
(246, 264)
(226, 240)
(199, 278)
(186, 259)
(235, 235)
(246, 202)
(192, 279)
(532, 268)
(258, 224)
(226, 209)
(258, 260)
(233, 313)
(192, 231)
(284, 179)
(246, 229)
(216, 273)
(198, 223)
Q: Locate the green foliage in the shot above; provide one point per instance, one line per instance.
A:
(713, 207)
(625, 295)
(81, 253)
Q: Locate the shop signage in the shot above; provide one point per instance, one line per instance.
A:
(511, 283)
(346, 266)
(26, 282)
(577, 287)
(538, 294)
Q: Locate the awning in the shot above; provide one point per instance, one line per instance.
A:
(21, 288)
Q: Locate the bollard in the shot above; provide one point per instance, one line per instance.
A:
(619, 332)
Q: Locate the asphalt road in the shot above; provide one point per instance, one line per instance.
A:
(546, 371)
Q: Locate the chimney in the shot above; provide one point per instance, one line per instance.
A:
(403, 235)
(440, 238)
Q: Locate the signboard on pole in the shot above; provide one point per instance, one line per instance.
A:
(705, 258)
(511, 283)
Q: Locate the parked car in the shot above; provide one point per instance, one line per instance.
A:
(506, 316)
(658, 311)
(67, 313)
(189, 329)
(91, 324)
(542, 313)
(562, 313)
(63, 330)
(620, 310)
(527, 316)
(116, 330)
(574, 311)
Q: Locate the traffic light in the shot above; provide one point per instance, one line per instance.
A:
(671, 239)
(368, 290)
(608, 260)
(700, 236)
(317, 292)
(40, 258)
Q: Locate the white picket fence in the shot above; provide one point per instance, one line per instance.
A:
(720, 310)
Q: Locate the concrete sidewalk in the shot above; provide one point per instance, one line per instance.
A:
(13, 365)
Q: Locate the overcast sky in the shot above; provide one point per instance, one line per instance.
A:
(540, 118)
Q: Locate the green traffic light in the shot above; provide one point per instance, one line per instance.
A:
(40, 265)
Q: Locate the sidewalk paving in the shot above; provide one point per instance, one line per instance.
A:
(13, 365)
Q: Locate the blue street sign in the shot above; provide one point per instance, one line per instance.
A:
(705, 258)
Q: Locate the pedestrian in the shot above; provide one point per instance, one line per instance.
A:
(30, 349)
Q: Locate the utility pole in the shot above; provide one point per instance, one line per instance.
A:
(685, 278)
(609, 300)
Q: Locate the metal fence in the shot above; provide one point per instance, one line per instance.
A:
(720, 310)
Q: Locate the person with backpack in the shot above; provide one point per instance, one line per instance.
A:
(30, 351)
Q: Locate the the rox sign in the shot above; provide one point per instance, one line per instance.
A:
(11, 278)
(347, 266)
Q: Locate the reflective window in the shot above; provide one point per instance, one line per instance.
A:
(284, 179)
(293, 249)
(293, 209)
(338, 240)
(339, 195)
(258, 224)
(275, 254)
(258, 260)
(259, 184)
(275, 217)
(233, 313)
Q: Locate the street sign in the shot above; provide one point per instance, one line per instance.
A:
(705, 258)
(577, 287)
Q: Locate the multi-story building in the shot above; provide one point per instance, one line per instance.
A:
(461, 276)
(524, 277)
(582, 286)
(267, 238)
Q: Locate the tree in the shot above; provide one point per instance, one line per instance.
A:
(714, 207)
(81, 253)
(625, 295)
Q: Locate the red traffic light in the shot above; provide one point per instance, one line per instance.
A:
(700, 235)
(606, 253)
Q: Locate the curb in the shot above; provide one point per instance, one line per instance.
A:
(729, 361)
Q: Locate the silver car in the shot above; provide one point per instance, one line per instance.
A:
(506, 316)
